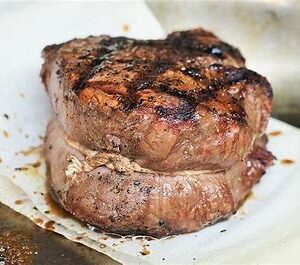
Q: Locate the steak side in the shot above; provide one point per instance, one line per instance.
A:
(156, 204)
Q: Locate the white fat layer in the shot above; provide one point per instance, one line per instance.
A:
(114, 161)
(74, 167)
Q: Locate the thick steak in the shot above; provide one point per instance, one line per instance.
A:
(157, 204)
(185, 102)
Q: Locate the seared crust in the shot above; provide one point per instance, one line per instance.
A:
(148, 203)
(191, 89)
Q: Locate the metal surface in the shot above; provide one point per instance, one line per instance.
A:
(291, 117)
(48, 248)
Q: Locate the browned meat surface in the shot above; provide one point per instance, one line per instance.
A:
(156, 204)
(154, 137)
(186, 102)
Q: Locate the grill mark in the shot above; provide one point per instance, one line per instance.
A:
(186, 95)
(101, 56)
(144, 80)
(193, 72)
(185, 42)
(184, 112)
(232, 50)
(195, 96)
(238, 114)
(108, 46)
(170, 52)
(234, 75)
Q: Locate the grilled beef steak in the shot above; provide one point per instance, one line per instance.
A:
(154, 137)
(186, 102)
(118, 199)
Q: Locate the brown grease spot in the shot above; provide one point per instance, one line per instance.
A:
(54, 208)
(275, 133)
(33, 150)
(287, 161)
(21, 168)
(38, 221)
(18, 202)
(50, 225)
(78, 238)
(102, 245)
(30, 169)
(125, 28)
(36, 164)
(251, 196)
(145, 252)
(5, 134)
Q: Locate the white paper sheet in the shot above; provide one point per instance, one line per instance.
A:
(265, 230)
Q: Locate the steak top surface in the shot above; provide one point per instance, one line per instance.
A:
(183, 103)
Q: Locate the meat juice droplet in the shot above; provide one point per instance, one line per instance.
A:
(18, 202)
(287, 161)
(38, 221)
(275, 133)
(145, 252)
(36, 164)
(54, 207)
(102, 245)
(50, 225)
(5, 134)
(125, 28)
